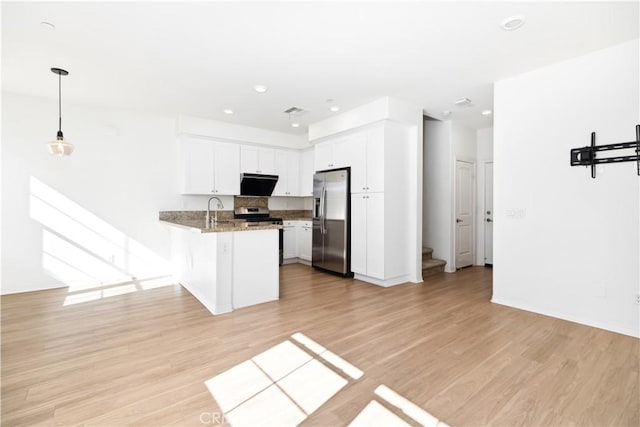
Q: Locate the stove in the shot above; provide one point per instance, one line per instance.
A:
(260, 216)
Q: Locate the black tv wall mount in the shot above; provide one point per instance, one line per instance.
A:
(586, 156)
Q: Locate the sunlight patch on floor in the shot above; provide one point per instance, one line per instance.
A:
(112, 290)
(281, 360)
(376, 415)
(312, 385)
(328, 356)
(271, 407)
(280, 387)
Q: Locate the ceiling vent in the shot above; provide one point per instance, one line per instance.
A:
(463, 102)
(294, 111)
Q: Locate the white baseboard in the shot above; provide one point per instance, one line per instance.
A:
(384, 283)
(209, 305)
(288, 261)
(570, 318)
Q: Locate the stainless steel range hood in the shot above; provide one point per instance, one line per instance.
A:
(253, 184)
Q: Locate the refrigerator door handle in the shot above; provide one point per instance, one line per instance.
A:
(324, 209)
(321, 208)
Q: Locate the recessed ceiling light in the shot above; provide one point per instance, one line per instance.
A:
(260, 88)
(47, 26)
(334, 108)
(295, 125)
(228, 111)
(462, 102)
(512, 23)
(486, 112)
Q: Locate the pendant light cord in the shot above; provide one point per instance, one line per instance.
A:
(59, 102)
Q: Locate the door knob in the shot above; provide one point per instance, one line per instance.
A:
(458, 220)
(489, 220)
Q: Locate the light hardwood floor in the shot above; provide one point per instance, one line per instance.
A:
(143, 358)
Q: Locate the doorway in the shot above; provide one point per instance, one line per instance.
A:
(464, 206)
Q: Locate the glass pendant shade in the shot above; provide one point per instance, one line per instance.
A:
(60, 147)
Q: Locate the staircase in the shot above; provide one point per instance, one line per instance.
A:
(431, 266)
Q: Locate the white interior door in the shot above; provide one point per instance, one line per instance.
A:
(488, 213)
(464, 214)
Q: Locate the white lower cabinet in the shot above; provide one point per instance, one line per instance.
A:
(289, 240)
(367, 235)
(296, 240)
(304, 240)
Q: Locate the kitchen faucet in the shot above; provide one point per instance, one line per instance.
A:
(215, 212)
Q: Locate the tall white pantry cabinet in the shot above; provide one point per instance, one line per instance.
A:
(378, 157)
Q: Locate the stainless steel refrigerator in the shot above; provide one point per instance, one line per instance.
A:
(331, 216)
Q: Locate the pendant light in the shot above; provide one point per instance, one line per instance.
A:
(60, 147)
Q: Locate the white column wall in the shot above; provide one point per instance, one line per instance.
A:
(567, 245)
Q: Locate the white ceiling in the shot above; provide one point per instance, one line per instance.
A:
(199, 58)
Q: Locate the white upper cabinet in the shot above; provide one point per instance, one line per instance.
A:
(257, 160)
(323, 156)
(197, 167)
(288, 170)
(368, 168)
(226, 159)
(307, 171)
(210, 167)
(375, 159)
(343, 150)
(335, 152)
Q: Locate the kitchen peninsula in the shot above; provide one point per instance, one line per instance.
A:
(230, 265)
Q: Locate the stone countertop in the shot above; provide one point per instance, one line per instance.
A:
(221, 226)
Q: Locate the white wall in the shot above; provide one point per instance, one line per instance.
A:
(464, 141)
(93, 215)
(484, 154)
(202, 127)
(351, 119)
(567, 245)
